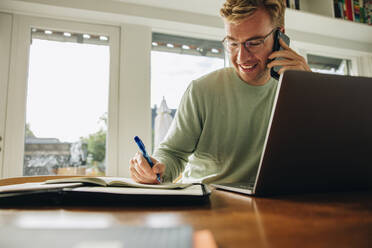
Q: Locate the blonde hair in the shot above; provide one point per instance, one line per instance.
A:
(236, 10)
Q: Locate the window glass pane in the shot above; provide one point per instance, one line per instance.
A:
(175, 62)
(67, 104)
(329, 65)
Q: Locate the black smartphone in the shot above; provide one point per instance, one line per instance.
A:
(278, 34)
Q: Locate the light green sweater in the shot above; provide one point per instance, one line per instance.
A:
(218, 131)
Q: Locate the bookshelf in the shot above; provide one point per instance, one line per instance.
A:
(314, 30)
(326, 7)
(316, 24)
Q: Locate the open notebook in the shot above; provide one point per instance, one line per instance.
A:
(102, 191)
(117, 182)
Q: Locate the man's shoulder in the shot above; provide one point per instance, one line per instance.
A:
(217, 74)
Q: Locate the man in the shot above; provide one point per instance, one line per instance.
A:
(219, 129)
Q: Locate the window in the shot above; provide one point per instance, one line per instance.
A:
(175, 62)
(63, 83)
(329, 65)
(67, 104)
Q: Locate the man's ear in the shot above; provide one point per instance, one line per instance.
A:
(282, 29)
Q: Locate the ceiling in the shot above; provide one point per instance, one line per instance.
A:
(206, 7)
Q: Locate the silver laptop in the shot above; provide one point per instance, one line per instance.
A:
(319, 137)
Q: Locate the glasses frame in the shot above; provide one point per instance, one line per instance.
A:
(245, 43)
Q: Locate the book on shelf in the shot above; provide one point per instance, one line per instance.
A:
(293, 4)
(356, 11)
(353, 10)
(337, 10)
(101, 190)
(368, 11)
(349, 10)
(297, 4)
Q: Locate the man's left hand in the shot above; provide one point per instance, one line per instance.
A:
(290, 60)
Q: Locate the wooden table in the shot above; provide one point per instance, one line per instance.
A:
(235, 220)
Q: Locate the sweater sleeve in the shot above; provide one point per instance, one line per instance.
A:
(183, 135)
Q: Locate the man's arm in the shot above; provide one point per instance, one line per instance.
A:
(183, 135)
(172, 154)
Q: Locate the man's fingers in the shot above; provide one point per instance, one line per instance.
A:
(135, 176)
(282, 62)
(135, 167)
(159, 168)
(285, 54)
(283, 44)
(143, 165)
(140, 178)
(141, 171)
(290, 60)
(154, 160)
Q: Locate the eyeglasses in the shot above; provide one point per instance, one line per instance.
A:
(251, 45)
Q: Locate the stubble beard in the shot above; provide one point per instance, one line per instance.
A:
(261, 77)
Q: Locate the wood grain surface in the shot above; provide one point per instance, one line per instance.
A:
(342, 219)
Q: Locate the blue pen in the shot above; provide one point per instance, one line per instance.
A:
(141, 146)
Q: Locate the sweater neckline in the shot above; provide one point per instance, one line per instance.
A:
(245, 85)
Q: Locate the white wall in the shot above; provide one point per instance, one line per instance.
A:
(305, 26)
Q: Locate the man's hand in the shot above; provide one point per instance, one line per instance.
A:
(290, 59)
(141, 172)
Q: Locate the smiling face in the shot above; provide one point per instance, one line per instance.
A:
(251, 67)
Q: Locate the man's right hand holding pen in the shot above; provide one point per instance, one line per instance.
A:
(141, 172)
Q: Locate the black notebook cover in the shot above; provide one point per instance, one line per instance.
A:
(72, 196)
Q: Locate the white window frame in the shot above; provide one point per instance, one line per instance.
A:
(358, 59)
(135, 94)
(5, 40)
(17, 86)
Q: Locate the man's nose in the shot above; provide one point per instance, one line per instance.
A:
(243, 53)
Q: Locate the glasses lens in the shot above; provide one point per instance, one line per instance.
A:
(229, 45)
(254, 45)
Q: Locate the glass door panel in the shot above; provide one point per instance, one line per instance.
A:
(67, 104)
(175, 62)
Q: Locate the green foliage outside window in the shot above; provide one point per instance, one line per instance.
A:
(28, 132)
(97, 145)
(97, 142)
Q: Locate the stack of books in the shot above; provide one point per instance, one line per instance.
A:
(354, 10)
